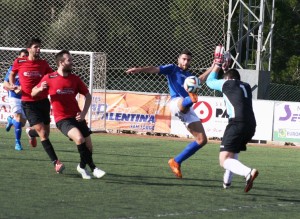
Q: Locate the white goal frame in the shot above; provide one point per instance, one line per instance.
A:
(91, 76)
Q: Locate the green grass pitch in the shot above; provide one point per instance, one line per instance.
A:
(139, 183)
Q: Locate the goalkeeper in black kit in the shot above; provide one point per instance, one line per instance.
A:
(241, 125)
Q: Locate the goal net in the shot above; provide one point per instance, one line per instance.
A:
(89, 66)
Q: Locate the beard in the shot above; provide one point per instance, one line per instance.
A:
(37, 55)
(68, 69)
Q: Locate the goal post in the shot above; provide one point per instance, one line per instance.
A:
(89, 66)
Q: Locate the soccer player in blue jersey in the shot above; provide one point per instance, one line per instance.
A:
(180, 105)
(241, 125)
(19, 118)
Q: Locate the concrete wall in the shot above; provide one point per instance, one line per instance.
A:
(259, 81)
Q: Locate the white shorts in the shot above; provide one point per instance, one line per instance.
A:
(16, 106)
(186, 118)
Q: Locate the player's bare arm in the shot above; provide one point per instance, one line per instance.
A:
(12, 80)
(37, 90)
(150, 69)
(6, 85)
(88, 100)
(205, 74)
(18, 90)
(15, 88)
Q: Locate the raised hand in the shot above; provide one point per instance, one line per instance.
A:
(219, 55)
(227, 61)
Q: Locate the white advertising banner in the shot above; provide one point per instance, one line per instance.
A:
(263, 110)
(211, 111)
(5, 109)
(213, 114)
(287, 122)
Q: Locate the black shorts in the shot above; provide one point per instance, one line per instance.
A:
(66, 125)
(237, 135)
(37, 111)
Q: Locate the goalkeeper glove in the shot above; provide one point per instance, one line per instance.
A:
(219, 55)
(227, 61)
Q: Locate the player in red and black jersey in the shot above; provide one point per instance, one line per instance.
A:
(63, 87)
(31, 69)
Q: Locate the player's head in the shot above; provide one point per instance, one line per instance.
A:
(33, 46)
(64, 60)
(23, 53)
(184, 59)
(232, 74)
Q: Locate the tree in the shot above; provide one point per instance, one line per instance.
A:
(286, 49)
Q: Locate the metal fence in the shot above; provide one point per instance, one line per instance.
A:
(129, 32)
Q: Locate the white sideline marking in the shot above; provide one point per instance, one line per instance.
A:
(234, 208)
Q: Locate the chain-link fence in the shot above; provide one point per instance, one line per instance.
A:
(129, 32)
(84, 64)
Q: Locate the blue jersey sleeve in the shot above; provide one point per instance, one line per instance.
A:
(7, 74)
(166, 69)
(175, 77)
(213, 82)
(17, 82)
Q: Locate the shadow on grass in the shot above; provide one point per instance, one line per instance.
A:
(289, 200)
(159, 181)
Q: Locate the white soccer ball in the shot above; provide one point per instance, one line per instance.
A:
(192, 84)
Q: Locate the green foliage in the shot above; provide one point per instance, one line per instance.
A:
(293, 70)
(286, 41)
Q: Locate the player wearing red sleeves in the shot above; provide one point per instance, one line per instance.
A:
(30, 73)
(63, 87)
(37, 109)
(63, 91)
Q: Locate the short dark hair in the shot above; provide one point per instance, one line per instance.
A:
(232, 74)
(185, 52)
(33, 40)
(23, 51)
(60, 56)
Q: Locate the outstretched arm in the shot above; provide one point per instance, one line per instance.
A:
(205, 74)
(150, 69)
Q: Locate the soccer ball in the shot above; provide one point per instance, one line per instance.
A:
(192, 84)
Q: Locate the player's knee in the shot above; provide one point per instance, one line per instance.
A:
(42, 133)
(221, 163)
(201, 140)
(222, 159)
(79, 139)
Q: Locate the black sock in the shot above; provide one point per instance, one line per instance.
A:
(85, 156)
(82, 163)
(50, 150)
(33, 133)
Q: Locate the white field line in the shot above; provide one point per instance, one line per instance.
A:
(231, 209)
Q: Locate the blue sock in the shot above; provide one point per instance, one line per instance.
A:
(187, 102)
(18, 129)
(189, 150)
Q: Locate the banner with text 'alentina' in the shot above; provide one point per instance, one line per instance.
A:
(131, 111)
